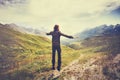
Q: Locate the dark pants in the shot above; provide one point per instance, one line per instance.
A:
(58, 49)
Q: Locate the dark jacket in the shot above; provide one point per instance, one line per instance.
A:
(56, 37)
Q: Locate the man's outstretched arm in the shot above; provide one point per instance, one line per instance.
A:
(67, 36)
(50, 33)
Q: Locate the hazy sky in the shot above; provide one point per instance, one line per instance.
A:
(72, 15)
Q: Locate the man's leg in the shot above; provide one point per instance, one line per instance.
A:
(59, 58)
(53, 58)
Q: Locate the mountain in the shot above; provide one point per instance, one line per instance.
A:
(99, 31)
(29, 30)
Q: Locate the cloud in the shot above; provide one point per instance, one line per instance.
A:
(112, 10)
(11, 2)
(116, 12)
(111, 6)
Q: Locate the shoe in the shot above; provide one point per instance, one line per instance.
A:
(58, 68)
(53, 68)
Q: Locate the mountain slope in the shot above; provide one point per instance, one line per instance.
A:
(12, 38)
(18, 49)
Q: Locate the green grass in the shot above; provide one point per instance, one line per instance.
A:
(27, 52)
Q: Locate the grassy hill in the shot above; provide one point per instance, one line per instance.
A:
(108, 44)
(23, 56)
(19, 51)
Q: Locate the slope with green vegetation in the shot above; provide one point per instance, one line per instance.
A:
(23, 56)
(19, 51)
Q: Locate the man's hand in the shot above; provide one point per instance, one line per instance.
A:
(71, 37)
(47, 33)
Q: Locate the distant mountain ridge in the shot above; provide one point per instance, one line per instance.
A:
(28, 30)
(102, 30)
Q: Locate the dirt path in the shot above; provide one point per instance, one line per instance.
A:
(93, 69)
(72, 68)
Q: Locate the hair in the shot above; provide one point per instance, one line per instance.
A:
(56, 28)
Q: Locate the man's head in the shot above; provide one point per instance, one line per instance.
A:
(56, 27)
